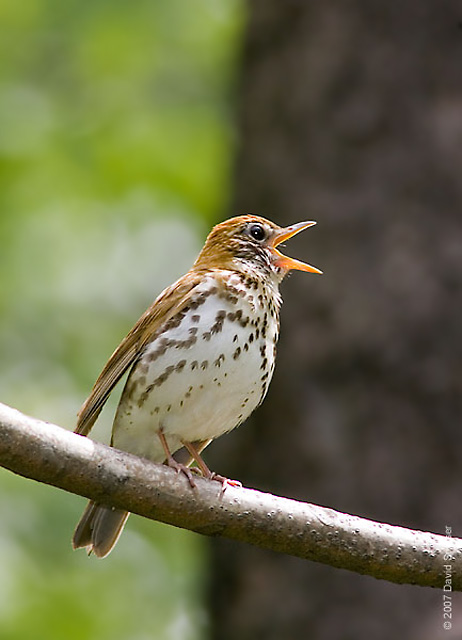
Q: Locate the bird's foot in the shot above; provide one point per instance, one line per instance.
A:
(205, 471)
(182, 468)
(225, 482)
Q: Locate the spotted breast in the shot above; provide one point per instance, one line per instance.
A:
(205, 371)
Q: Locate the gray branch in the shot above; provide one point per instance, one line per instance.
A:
(50, 454)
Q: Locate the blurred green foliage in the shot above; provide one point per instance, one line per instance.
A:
(116, 138)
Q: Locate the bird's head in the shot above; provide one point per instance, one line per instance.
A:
(249, 243)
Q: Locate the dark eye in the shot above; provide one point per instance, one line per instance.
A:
(257, 232)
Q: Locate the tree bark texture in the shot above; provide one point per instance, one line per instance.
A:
(351, 115)
(47, 453)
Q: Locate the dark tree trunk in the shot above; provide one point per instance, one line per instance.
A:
(351, 114)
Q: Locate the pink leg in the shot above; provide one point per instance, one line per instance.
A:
(171, 462)
(210, 475)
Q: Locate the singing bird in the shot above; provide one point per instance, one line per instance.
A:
(201, 359)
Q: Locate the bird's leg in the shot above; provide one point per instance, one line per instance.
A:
(195, 455)
(210, 475)
(171, 462)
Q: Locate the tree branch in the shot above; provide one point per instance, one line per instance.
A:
(50, 454)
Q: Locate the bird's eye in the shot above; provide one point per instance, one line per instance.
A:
(257, 232)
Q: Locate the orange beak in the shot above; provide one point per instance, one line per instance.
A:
(289, 263)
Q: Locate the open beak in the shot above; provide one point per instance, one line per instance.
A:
(284, 261)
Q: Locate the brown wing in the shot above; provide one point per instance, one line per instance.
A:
(170, 301)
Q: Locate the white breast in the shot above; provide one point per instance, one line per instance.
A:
(202, 376)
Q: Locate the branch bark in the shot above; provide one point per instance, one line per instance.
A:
(47, 453)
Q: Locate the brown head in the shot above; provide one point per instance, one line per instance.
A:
(250, 243)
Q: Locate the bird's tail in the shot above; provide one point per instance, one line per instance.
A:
(99, 529)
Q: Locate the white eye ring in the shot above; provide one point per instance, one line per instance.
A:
(257, 232)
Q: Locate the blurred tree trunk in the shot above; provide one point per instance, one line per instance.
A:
(351, 114)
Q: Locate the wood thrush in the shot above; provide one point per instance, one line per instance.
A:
(201, 359)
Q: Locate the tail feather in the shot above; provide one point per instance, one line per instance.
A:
(99, 528)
